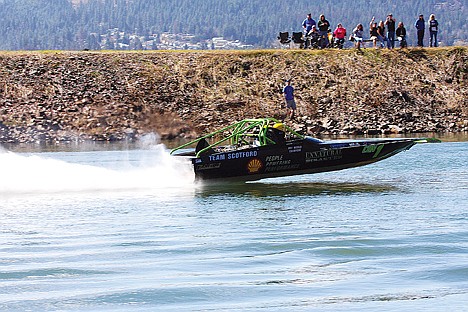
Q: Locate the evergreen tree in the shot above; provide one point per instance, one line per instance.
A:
(45, 24)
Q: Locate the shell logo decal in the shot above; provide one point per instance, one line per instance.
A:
(254, 165)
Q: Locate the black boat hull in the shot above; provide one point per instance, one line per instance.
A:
(303, 156)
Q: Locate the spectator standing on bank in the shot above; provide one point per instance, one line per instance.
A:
(308, 23)
(390, 23)
(433, 29)
(420, 25)
(373, 32)
(288, 92)
(323, 27)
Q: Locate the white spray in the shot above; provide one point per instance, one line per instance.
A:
(44, 173)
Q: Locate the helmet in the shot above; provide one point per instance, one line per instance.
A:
(279, 126)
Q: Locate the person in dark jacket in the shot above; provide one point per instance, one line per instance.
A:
(381, 34)
(390, 23)
(401, 35)
(373, 32)
(420, 25)
(323, 26)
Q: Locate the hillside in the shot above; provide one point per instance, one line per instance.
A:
(124, 24)
(76, 96)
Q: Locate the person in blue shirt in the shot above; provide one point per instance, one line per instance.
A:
(308, 23)
(288, 92)
(420, 25)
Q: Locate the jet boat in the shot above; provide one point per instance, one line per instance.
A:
(254, 149)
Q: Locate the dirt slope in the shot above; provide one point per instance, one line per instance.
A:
(76, 96)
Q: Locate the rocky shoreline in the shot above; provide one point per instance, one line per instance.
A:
(61, 97)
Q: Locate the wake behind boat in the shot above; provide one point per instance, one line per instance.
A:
(254, 149)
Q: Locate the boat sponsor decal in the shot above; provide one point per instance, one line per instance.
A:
(323, 155)
(344, 145)
(217, 157)
(233, 155)
(276, 160)
(374, 148)
(278, 163)
(237, 155)
(208, 166)
(295, 149)
(282, 167)
(254, 165)
(339, 145)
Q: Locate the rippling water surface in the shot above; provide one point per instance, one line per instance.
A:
(130, 231)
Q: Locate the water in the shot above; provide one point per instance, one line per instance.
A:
(130, 231)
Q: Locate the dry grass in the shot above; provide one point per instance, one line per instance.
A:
(203, 89)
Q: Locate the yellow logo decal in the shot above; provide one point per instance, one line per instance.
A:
(254, 165)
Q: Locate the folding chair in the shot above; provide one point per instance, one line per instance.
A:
(284, 38)
(298, 39)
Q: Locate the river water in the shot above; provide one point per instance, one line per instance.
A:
(128, 230)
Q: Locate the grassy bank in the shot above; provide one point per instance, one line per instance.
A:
(63, 96)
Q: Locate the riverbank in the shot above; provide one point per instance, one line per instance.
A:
(59, 97)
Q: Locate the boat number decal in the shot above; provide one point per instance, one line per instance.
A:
(325, 155)
(376, 149)
(254, 165)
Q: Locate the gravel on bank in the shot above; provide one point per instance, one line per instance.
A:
(54, 97)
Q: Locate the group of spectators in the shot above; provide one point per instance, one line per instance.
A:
(382, 34)
(433, 25)
(319, 32)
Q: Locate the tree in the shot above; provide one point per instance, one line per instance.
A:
(45, 24)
